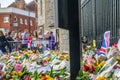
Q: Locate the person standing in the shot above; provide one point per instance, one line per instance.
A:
(3, 43)
(24, 36)
(34, 42)
(10, 39)
(29, 41)
(51, 41)
(84, 43)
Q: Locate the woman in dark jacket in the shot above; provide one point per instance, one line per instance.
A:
(3, 43)
(9, 38)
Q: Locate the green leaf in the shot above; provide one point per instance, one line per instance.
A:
(51, 72)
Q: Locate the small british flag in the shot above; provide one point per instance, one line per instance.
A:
(105, 43)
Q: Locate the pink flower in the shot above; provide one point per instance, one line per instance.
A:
(26, 77)
(18, 67)
(1, 75)
(89, 60)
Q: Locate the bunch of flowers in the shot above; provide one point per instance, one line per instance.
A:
(100, 67)
(30, 65)
(16, 72)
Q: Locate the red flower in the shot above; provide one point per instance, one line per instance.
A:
(115, 45)
(91, 69)
(43, 74)
(85, 68)
(34, 51)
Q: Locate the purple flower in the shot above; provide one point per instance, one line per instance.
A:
(18, 67)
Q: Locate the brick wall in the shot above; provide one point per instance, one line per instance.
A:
(10, 25)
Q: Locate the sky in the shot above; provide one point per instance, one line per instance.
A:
(5, 3)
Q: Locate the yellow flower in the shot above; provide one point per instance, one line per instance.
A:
(20, 73)
(6, 67)
(14, 73)
(26, 53)
(11, 79)
(102, 63)
(46, 77)
(118, 59)
(96, 64)
(16, 58)
(30, 51)
(62, 58)
(18, 54)
(95, 67)
(101, 78)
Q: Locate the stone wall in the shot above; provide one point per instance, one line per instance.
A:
(41, 15)
(48, 19)
(49, 14)
(64, 40)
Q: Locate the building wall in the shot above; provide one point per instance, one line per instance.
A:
(6, 26)
(64, 40)
(41, 13)
(49, 13)
(47, 21)
(10, 25)
(46, 14)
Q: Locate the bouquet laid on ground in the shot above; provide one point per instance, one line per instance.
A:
(100, 67)
(32, 65)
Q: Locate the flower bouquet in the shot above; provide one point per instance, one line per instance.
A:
(100, 67)
(31, 65)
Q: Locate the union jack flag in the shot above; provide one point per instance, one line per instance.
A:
(105, 43)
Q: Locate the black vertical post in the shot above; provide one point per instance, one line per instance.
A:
(67, 17)
(74, 37)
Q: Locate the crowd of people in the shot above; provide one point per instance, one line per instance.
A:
(26, 40)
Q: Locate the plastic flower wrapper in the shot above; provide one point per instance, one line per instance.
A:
(106, 69)
(116, 73)
(55, 61)
(90, 52)
(112, 52)
(34, 57)
(102, 58)
(45, 54)
(4, 58)
(59, 66)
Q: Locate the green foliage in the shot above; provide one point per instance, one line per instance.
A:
(36, 75)
(83, 76)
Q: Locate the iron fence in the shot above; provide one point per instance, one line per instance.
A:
(35, 44)
(98, 16)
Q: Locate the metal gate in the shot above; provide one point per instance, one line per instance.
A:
(98, 16)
